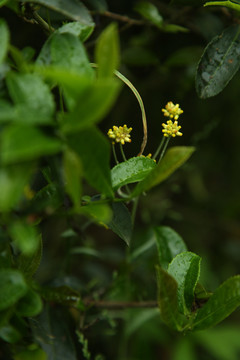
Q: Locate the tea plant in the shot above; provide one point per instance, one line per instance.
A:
(55, 165)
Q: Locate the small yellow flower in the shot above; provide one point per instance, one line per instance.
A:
(120, 134)
(172, 111)
(171, 129)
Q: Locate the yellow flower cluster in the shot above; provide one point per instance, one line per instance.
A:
(120, 134)
(173, 112)
(171, 129)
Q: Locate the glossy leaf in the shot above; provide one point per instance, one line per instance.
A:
(22, 143)
(169, 244)
(28, 264)
(13, 179)
(174, 158)
(25, 236)
(121, 222)
(94, 152)
(92, 104)
(4, 40)
(72, 174)
(76, 28)
(107, 52)
(13, 287)
(73, 9)
(130, 171)
(149, 12)
(185, 268)
(220, 305)
(30, 304)
(219, 63)
(168, 300)
(32, 97)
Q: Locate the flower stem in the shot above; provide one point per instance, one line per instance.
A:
(122, 152)
(114, 154)
(159, 148)
(164, 149)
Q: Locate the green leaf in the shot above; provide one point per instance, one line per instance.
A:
(92, 104)
(34, 352)
(13, 179)
(73, 9)
(169, 244)
(185, 268)
(25, 236)
(130, 171)
(99, 5)
(30, 304)
(68, 52)
(10, 334)
(235, 5)
(121, 222)
(22, 143)
(219, 63)
(76, 28)
(222, 342)
(168, 300)
(101, 213)
(149, 12)
(174, 158)
(94, 152)
(4, 40)
(13, 287)
(107, 52)
(32, 97)
(49, 198)
(28, 264)
(220, 305)
(72, 173)
(51, 331)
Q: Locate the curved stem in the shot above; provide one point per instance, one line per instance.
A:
(139, 99)
(114, 154)
(164, 149)
(159, 148)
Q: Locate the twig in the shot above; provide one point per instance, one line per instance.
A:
(114, 305)
(121, 18)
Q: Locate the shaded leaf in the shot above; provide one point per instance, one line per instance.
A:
(72, 173)
(94, 152)
(4, 40)
(51, 331)
(30, 304)
(130, 171)
(10, 334)
(32, 97)
(25, 236)
(220, 305)
(185, 268)
(169, 244)
(22, 143)
(101, 213)
(121, 222)
(149, 12)
(28, 264)
(219, 63)
(174, 158)
(13, 287)
(107, 52)
(73, 9)
(13, 179)
(168, 300)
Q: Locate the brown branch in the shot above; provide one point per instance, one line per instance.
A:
(116, 305)
(121, 18)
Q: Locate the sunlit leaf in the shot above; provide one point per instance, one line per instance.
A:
(130, 171)
(174, 158)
